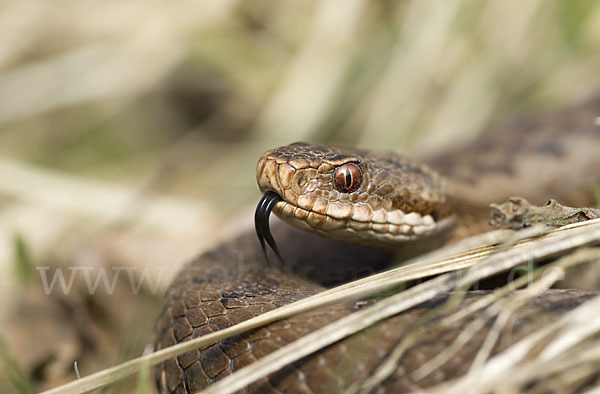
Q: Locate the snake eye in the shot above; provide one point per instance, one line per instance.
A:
(347, 178)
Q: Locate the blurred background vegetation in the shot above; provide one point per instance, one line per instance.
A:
(129, 130)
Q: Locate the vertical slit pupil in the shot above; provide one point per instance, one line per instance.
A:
(348, 179)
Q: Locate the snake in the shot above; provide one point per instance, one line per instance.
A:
(344, 213)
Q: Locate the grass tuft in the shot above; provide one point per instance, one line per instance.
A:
(23, 264)
(10, 369)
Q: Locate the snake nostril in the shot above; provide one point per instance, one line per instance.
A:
(302, 180)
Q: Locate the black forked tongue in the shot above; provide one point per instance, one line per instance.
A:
(261, 222)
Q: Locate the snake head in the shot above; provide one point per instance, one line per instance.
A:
(379, 199)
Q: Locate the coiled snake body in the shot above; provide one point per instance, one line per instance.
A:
(375, 200)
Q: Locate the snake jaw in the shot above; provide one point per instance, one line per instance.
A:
(261, 221)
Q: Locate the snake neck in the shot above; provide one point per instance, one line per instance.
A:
(555, 156)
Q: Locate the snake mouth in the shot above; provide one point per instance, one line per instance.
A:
(261, 221)
(378, 228)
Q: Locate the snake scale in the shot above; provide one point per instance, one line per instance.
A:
(395, 202)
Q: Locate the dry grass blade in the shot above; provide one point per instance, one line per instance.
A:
(579, 257)
(533, 370)
(307, 93)
(503, 309)
(594, 390)
(500, 368)
(102, 201)
(550, 244)
(542, 247)
(360, 289)
(86, 91)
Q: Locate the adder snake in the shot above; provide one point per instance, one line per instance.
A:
(381, 200)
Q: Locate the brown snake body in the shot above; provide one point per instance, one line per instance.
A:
(552, 157)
